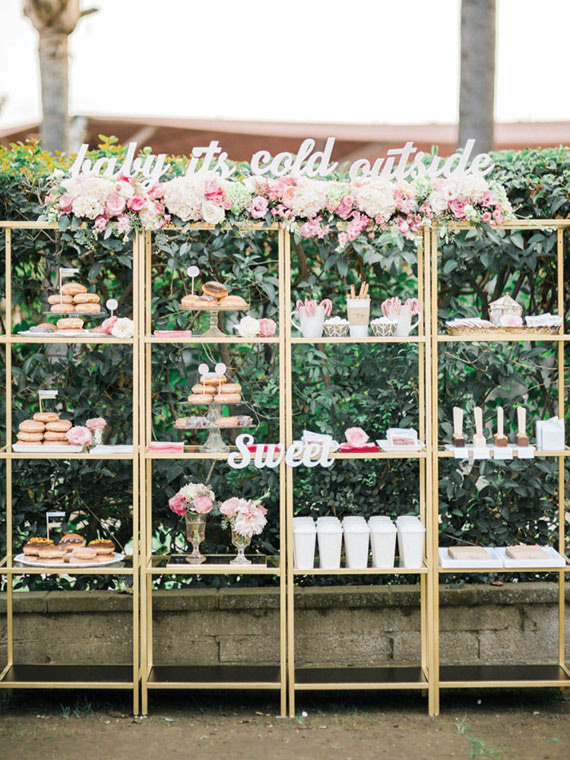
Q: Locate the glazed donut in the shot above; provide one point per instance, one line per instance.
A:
(51, 552)
(62, 308)
(84, 553)
(30, 437)
(212, 379)
(49, 435)
(87, 308)
(44, 328)
(202, 398)
(86, 298)
(226, 422)
(56, 443)
(231, 388)
(71, 541)
(59, 426)
(29, 443)
(73, 288)
(215, 289)
(102, 546)
(34, 544)
(46, 416)
(234, 302)
(190, 302)
(69, 323)
(32, 426)
(205, 302)
(199, 388)
(227, 398)
(60, 299)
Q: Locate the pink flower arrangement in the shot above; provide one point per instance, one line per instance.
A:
(193, 497)
(356, 436)
(267, 327)
(79, 436)
(244, 516)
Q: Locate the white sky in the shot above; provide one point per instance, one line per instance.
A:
(362, 61)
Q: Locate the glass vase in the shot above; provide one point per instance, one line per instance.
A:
(195, 534)
(241, 543)
(97, 437)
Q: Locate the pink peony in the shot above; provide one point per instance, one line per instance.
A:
(356, 436)
(267, 328)
(115, 204)
(123, 223)
(213, 191)
(258, 207)
(288, 196)
(229, 506)
(457, 208)
(107, 325)
(136, 204)
(344, 208)
(78, 436)
(96, 423)
(178, 504)
(486, 217)
(510, 320)
(156, 192)
(202, 505)
(66, 203)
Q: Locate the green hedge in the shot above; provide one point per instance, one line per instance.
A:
(335, 386)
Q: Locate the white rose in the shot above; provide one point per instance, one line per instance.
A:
(438, 203)
(248, 327)
(124, 189)
(123, 328)
(211, 213)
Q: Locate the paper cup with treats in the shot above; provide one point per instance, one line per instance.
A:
(358, 311)
(311, 317)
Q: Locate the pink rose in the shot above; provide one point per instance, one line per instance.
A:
(344, 208)
(136, 204)
(178, 504)
(156, 192)
(213, 191)
(66, 203)
(356, 436)
(115, 204)
(123, 223)
(457, 208)
(510, 320)
(267, 328)
(108, 324)
(96, 423)
(202, 505)
(258, 207)
(486, 217)
(342, 239)
(100, 223)
(229, 506)
(288, 196)
(78, 436)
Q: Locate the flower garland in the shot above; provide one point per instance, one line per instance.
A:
(309, 207)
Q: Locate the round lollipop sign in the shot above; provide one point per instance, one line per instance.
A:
(203, 369)
(193, 272)
(220, 368)
(112, 305)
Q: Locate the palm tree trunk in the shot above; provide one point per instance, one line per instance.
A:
(55, 89)
(477, 89)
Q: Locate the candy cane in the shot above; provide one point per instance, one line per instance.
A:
(391, 306)
(414, 305)
(299, 305)
(326, 303)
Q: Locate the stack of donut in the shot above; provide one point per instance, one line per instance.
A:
(215, 389)
(44, 429)
(71, 548)
(215, 295)
(74, 299)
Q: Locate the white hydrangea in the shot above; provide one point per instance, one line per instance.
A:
(376, 198)
(239, 195)
(183, 197)
(191, 491)
(310, 198)
(88, 207)
(473, 186)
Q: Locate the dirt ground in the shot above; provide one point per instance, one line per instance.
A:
(506, 725)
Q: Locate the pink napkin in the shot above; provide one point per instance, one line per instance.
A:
(166, 447)
(173, 333)
(366, 448)
(255, 446)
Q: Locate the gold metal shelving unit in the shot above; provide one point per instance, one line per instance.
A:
(17, 673)
(497, 676)
(174, 676)
(373, 678)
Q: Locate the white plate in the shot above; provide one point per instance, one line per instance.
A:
(385, 446)
(20, 449)
(446, 561)
(23, 560)
(57, 334)
(555, 559)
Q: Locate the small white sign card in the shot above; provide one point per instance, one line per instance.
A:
(45, 394)
(525, 452)
(503, 452)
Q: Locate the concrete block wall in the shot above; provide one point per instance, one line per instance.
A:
(480, 624)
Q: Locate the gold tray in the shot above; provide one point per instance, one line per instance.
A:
(493, 331)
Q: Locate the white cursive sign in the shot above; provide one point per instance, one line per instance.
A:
(401, 163)
(271, 454)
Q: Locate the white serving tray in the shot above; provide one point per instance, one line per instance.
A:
(118, 449)
(555, 560)
(41, 449)
(472, 564)
(385, 446)
(23, 560)
(56, 334)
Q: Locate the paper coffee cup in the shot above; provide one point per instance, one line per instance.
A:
(358, 311)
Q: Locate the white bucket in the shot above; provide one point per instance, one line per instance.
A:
(304, 539)
(356, 542)
(383, 540)
(411, 539)
(329, 534)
